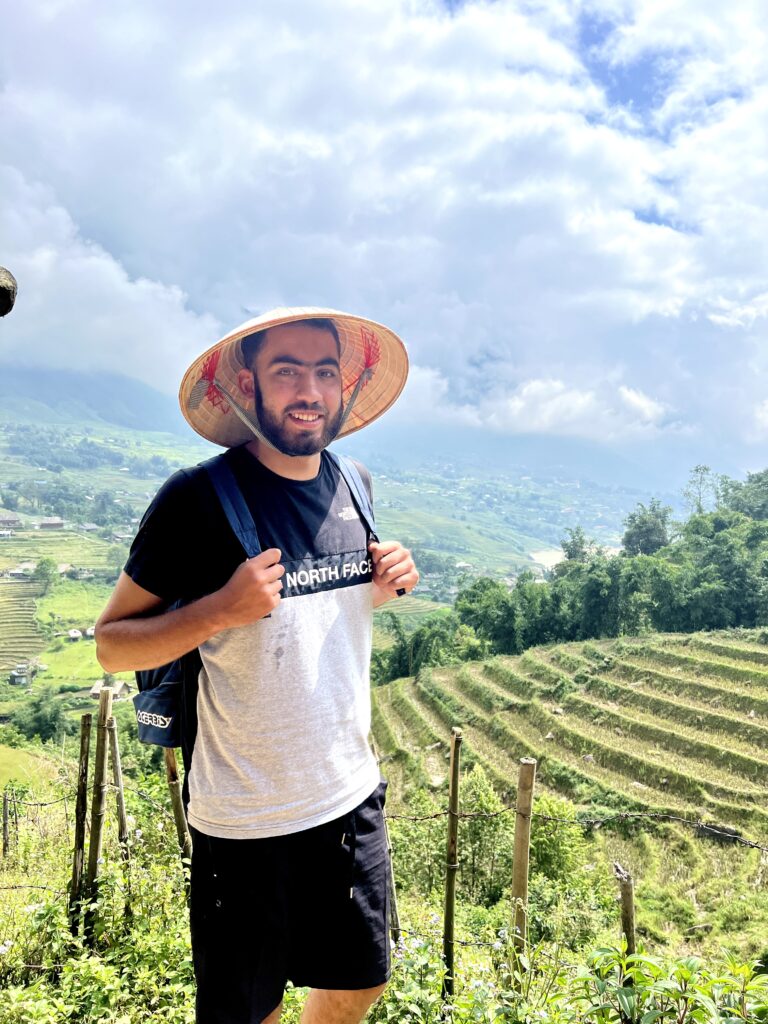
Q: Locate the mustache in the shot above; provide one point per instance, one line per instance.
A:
(306, 407)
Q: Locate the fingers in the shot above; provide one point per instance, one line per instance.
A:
(266, 566)
(267, 557)
(394, 569)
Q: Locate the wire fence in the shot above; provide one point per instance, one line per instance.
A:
(590, 824)
(509, 942)
(586, 824)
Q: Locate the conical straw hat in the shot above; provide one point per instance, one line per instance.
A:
(364, 344)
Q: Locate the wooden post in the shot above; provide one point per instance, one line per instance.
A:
(394, 916)
(452, 864)
(15, 808)
(523, 808)
(179, 817)
(122, 817)
(98, 809)
(627, 889)
(6, 825)
(81, 809)
(117, 778)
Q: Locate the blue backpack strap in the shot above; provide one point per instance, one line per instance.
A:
(232, 501)
(358, 490)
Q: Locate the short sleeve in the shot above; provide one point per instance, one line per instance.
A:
(159, 557)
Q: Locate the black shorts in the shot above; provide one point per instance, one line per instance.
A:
(311, 908)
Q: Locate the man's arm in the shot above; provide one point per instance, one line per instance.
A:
(129, 636)
(393, 570)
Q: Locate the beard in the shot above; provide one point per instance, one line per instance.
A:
(276, 432)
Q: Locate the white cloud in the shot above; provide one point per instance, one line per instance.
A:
(647, 409)
(78, 308)
(556, 260)
(541, 406)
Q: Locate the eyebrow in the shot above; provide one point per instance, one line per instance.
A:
(325, 361)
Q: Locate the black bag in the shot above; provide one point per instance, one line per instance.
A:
(166, 704)
(162, 708)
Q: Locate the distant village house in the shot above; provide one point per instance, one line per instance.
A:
(120, 689)
(51, 523)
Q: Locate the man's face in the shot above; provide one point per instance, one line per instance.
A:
(297, 388)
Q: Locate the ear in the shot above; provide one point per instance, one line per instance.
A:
(245, 382)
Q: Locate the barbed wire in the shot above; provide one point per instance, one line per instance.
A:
(707, 828)
(29, 803)
(584, 823)
(47, 888)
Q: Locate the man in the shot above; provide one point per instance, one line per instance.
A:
(289, 861)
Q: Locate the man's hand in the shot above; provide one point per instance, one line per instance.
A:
(253, 590)
(393, 570)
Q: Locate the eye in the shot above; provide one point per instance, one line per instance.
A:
(329, 374)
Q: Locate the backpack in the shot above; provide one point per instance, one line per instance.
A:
(166, 704)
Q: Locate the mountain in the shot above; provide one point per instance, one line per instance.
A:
(66, 396)
(652, 467)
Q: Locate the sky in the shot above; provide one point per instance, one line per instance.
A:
(560, 205)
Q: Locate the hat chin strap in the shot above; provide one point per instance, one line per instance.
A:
(244, 416)
(253, 424)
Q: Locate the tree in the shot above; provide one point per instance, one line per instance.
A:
(488, 607)
(487, 842)
(750, 497)
(647, 528)
(43, 715)
(576, 547)
(701, 491)
(46, 572)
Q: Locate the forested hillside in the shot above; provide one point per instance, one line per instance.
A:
(709, 571)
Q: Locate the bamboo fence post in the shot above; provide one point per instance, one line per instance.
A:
(179, 817)
(15, 819)
(520, 863)
(627, 890)
(117, 779)
(81, 810)
(452, 865)
(6, 825)
(98, 808)
(122, 817)
(394, 914)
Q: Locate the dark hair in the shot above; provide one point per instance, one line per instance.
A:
(251, 344)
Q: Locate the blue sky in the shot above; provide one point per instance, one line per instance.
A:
(561, 205)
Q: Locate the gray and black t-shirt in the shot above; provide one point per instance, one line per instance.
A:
(283, 703)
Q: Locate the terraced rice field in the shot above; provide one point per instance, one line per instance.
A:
(676, 724)
(19, 636)
(70, 547)
(410, 610)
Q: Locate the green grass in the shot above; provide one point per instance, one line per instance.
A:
(73, 603)
(65, 547)
(70, 662)
(24, 766)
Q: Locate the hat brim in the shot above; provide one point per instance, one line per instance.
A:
(363, 343)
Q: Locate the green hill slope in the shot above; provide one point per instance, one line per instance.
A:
(671, 724)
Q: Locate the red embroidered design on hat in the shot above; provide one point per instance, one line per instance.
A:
(371, 356)
(208, 373)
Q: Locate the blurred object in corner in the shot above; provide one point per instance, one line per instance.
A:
(8, 289)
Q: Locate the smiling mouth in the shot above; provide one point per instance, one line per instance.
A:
(305, 418)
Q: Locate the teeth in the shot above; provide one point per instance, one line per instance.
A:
(305, 417)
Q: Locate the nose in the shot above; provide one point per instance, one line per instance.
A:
(309, 388)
